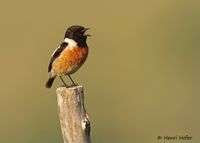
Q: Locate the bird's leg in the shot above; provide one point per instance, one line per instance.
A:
(63, 82)
(72, 80)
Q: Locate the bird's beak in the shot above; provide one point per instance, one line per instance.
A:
(86, 29)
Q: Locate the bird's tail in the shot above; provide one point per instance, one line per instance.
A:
(50, 82)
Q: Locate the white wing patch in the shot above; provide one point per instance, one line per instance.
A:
(55, 51)
(71, 45)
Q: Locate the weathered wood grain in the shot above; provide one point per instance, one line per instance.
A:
(74, 120)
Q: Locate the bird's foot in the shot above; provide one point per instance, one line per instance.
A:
(69, 86)
(73, 85)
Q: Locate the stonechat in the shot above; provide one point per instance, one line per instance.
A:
(69, 56)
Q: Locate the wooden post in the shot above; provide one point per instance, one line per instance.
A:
(74, 121)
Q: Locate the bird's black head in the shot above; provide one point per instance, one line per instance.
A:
(77, 33)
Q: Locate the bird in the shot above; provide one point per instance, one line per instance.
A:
(69, 56)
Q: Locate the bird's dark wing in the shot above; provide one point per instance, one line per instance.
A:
(56, 53)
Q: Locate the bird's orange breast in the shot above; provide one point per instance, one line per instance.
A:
(70, 60)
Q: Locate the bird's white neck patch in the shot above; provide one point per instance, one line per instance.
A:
(71, 42)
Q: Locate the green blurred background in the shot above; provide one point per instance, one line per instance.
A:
(141, 78)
